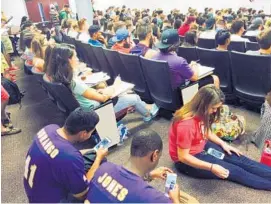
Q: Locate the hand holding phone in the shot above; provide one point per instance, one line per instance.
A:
(104, 143)
(170, 182)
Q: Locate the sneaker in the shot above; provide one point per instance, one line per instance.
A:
(11, 131)
(7, 123)
(153, 113)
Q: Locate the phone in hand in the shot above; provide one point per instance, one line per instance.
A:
(104, 143)
(170, 182)
(215, 153)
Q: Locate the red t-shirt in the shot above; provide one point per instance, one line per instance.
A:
(186, 134)
(183, 29)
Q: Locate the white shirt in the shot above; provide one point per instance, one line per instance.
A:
(209, 34)
(72, 34)
(84, 37)
(237, 38)
(252, 33)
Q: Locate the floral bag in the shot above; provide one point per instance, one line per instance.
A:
(229, 126)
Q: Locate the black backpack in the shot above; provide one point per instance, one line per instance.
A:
(15, 95)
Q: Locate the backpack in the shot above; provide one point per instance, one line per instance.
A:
(15, 95)
(229, 126)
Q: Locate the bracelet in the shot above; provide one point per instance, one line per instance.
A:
(211, 167)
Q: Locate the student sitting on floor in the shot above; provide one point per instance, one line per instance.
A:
(180, 71)
(127, 184)
(64, 65)
(55, 171)
(199, 153)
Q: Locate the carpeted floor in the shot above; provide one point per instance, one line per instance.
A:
(37, 111)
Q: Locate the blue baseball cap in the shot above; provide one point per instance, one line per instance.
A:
(121, 34)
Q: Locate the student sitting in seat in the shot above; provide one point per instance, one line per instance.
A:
(146, 40)
(83, 34)
(55, 171)
(127, 184)
(73, 28)
(38, 46)
(264, 40)
(123, 42)
(180, 71)
(197, 152)
(237, 30)
(190, 39)
(64, 64)
(223, 40)
(96, 37)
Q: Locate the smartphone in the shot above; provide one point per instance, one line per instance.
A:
(170, 182)
(104, 143)
(216, 153)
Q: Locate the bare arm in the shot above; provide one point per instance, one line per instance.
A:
(186, 158)
(212, 137)
(194, 67)
(92, 94)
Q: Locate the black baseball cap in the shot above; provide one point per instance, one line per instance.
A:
(93, 29)
(169, 37)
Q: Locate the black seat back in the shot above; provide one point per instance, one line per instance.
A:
(237, 46)
(133, 65)
(91, 57)
(79, 50)
(181, 39)
(251, 76)
(188, 53)
(62, 94)
(206, 43)
(220, 60)
(158, 80)
(69, 40)
(118, 67)
(104, 65)
(252, 46)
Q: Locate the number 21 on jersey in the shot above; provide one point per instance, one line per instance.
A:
(32, 169)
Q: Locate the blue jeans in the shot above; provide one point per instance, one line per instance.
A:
(242, 169)
(127, 100)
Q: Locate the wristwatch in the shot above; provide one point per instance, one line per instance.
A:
(147, 178)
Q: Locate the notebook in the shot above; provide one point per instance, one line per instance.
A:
(123, 88)
(205, 71)
(96, 78)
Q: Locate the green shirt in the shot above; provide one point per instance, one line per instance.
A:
(63, 15)
(78, 89)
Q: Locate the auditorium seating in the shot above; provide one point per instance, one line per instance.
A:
(103, 62)
(252, 46)
(117, 65)
(251, 77)
(206, 43)
(220, 60)
(188, 53)
(132, 64)
(158, 79)
(152, 81)
(237, 46)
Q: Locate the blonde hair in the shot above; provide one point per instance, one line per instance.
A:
(81, 23)
(206, 96)
(37, 45)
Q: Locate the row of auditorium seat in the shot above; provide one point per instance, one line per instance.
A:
(234, 46)
(243, 76)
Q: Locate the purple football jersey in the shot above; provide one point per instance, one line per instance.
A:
(113, 184)
(53, 168)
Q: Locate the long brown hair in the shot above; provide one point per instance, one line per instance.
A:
(207, 96)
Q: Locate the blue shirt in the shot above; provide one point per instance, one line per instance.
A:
(114, 184)
(53, 168)
(95, 43)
